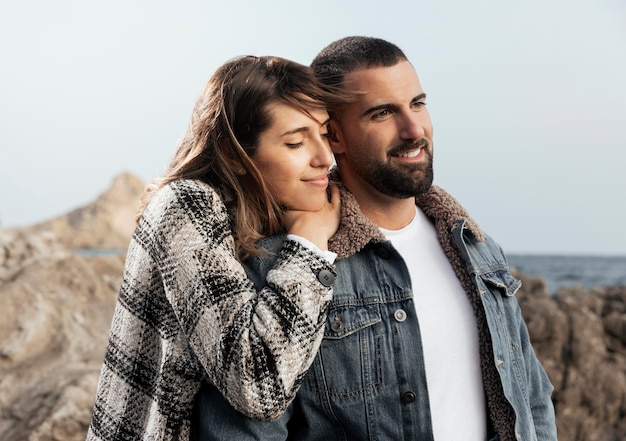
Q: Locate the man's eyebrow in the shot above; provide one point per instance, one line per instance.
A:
(380, 107)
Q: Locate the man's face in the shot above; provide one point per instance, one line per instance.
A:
(383, 141)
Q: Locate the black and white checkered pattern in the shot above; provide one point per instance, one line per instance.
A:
(187, 312)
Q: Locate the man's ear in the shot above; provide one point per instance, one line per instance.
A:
(335, 137)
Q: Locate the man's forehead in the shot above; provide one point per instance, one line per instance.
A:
(397, 81)
(403, 67)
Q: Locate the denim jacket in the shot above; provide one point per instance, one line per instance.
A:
(368, 380)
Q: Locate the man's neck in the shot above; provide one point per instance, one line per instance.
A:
(385, 211)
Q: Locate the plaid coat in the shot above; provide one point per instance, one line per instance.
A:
(187, 312)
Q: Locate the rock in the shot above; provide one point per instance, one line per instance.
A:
(56, 316)
(580, 337)
(108, 222)
(56, 312)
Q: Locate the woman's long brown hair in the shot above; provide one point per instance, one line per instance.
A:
(223, 135)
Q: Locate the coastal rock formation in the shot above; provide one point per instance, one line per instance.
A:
(57, 303)
(580, 337)
(107, 223)
(56, 311)
(56, 308)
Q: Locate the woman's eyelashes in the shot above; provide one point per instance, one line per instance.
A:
(294, 145)
(325, 136)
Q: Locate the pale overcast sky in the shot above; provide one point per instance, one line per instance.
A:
(528, 99)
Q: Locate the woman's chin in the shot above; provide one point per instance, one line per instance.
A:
(308, 206)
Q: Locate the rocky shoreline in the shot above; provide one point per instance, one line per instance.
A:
(57, 306)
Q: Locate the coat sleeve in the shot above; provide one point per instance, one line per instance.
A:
(254, 347)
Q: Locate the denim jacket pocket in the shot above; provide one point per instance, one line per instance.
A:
(345, 320)
(502, 281)
(350, 345)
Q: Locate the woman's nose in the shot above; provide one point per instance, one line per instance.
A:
(322, 156)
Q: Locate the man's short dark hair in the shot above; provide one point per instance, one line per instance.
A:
(352, 53)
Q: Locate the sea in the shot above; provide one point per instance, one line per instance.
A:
(572, 270)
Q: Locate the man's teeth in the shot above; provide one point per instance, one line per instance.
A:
(411, 154)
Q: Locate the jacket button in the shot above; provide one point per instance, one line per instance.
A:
(326, 277)
(409, 397)
(336, 325)
(382, 252)
(400, 315)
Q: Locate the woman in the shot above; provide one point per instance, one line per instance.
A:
(253, 163)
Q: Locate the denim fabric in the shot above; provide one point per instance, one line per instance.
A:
(367, 381)
(216, 420)
(525, 382)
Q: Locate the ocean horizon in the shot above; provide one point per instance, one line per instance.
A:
(588, 271)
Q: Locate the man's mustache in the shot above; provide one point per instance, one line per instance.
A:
(407, 147)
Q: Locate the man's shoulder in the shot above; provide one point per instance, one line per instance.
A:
(446, 211)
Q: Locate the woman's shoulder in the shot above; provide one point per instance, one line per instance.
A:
(191, 186)
(183, 189)
(187, 195)
(186, 213)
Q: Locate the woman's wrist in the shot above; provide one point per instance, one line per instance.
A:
(328, 255)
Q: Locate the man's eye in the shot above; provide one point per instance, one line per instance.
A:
(382, 113)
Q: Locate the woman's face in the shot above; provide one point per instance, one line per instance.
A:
(293, 155)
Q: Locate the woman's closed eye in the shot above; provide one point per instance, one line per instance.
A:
(294, 145)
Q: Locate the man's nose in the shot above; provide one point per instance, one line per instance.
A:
(412, 126)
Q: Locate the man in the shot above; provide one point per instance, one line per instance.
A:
(424, 338)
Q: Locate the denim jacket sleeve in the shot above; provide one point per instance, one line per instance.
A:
(524, 380)
(539, 386)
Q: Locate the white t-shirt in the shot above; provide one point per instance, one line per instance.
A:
(449, 334)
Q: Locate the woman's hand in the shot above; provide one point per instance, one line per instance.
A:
(316, 226)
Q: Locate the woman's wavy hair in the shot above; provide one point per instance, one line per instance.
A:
(223, 135)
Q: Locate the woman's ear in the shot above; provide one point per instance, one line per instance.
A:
(335, 137)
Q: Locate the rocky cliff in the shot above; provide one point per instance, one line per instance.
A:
(580, 337)
(107, 223)
(56, 305)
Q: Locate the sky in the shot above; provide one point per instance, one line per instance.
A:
(527, 98)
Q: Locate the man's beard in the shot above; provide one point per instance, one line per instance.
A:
(398, 180)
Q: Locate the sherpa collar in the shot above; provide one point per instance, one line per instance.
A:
(356, 231)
